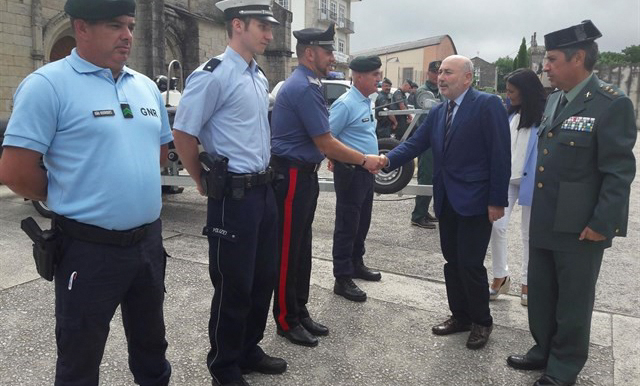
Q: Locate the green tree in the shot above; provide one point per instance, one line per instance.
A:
(632, 54)
(612, 58)
(503, 66)
(522, 60)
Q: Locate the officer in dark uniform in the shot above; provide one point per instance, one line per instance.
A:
(581, 202)
(385, 125)
(420, 216)
(399, 100)
(76, 113)
(225, 106)
(301, 139)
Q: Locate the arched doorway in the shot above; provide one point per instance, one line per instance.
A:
(62, 48)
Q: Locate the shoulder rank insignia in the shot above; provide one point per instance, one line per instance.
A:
(607, 88)
(212, 64)
(315, 81)
(579, 124)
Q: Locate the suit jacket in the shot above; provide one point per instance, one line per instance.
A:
(474, 165)
(584, 169)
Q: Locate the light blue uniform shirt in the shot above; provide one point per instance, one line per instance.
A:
(103, 168)
(227, 109)
(351, 121)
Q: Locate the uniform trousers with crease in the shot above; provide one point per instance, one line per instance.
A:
(354, 201)
(297, 197)
(242, 267)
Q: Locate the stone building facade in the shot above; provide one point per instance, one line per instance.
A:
(484, 74)
(36, 32)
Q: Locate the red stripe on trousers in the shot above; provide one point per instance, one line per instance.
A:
(286, 242)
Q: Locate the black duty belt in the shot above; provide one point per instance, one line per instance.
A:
(250, 180)
(97, 235)
(285, 163)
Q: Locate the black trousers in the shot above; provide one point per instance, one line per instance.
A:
(297, 197)
(354, 201)
(562, 291)
(91, 281)
(242, 258)
(464, 241)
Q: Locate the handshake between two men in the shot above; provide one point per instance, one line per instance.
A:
(373, 163)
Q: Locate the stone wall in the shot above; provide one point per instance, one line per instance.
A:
(627, 78)
(188, 30)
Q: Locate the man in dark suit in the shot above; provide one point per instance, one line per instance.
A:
(581, 201)
(469, 136)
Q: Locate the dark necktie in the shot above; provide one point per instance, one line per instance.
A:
(563, 102)
(447, 125)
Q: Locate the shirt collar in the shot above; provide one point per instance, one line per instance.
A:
(238, 60)
(459, 99)
(83, 66)
(307, 71)
(357, 94)
(573, 93)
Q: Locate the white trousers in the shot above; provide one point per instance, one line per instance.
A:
(498, 241)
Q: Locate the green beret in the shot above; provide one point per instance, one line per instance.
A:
(99, 9)
(365, 63)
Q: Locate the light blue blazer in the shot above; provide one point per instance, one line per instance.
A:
(525, 195)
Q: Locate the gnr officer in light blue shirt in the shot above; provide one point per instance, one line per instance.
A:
(351, 121)
(97, 124)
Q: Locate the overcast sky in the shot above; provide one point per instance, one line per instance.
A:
(490, 28)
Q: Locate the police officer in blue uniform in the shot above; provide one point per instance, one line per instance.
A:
(352, 123)
(225, 106)
(300, 140)
(97, 123)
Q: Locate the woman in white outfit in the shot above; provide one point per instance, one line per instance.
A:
(527, 97)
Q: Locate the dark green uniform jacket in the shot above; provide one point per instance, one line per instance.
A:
(584, 170)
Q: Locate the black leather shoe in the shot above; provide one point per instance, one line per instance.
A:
(266, 365)
(450, 326)
(314, 327)
(547, 380)
(346, 288)
(239, 382)
(479, 336)
(431, 218)
(523, 362)
(300, 336)
(423, 223)
(361, 271)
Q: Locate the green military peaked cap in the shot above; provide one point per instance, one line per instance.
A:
(99, 9)
(365, 63)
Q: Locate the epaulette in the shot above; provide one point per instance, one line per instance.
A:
(212, 64)
(315, 81)
(610, 91)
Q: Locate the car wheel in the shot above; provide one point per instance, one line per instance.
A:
(387, 182)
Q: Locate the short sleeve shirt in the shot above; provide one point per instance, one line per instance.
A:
(227, 109)
(352, 123)
(100, 139)
(299, 114)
